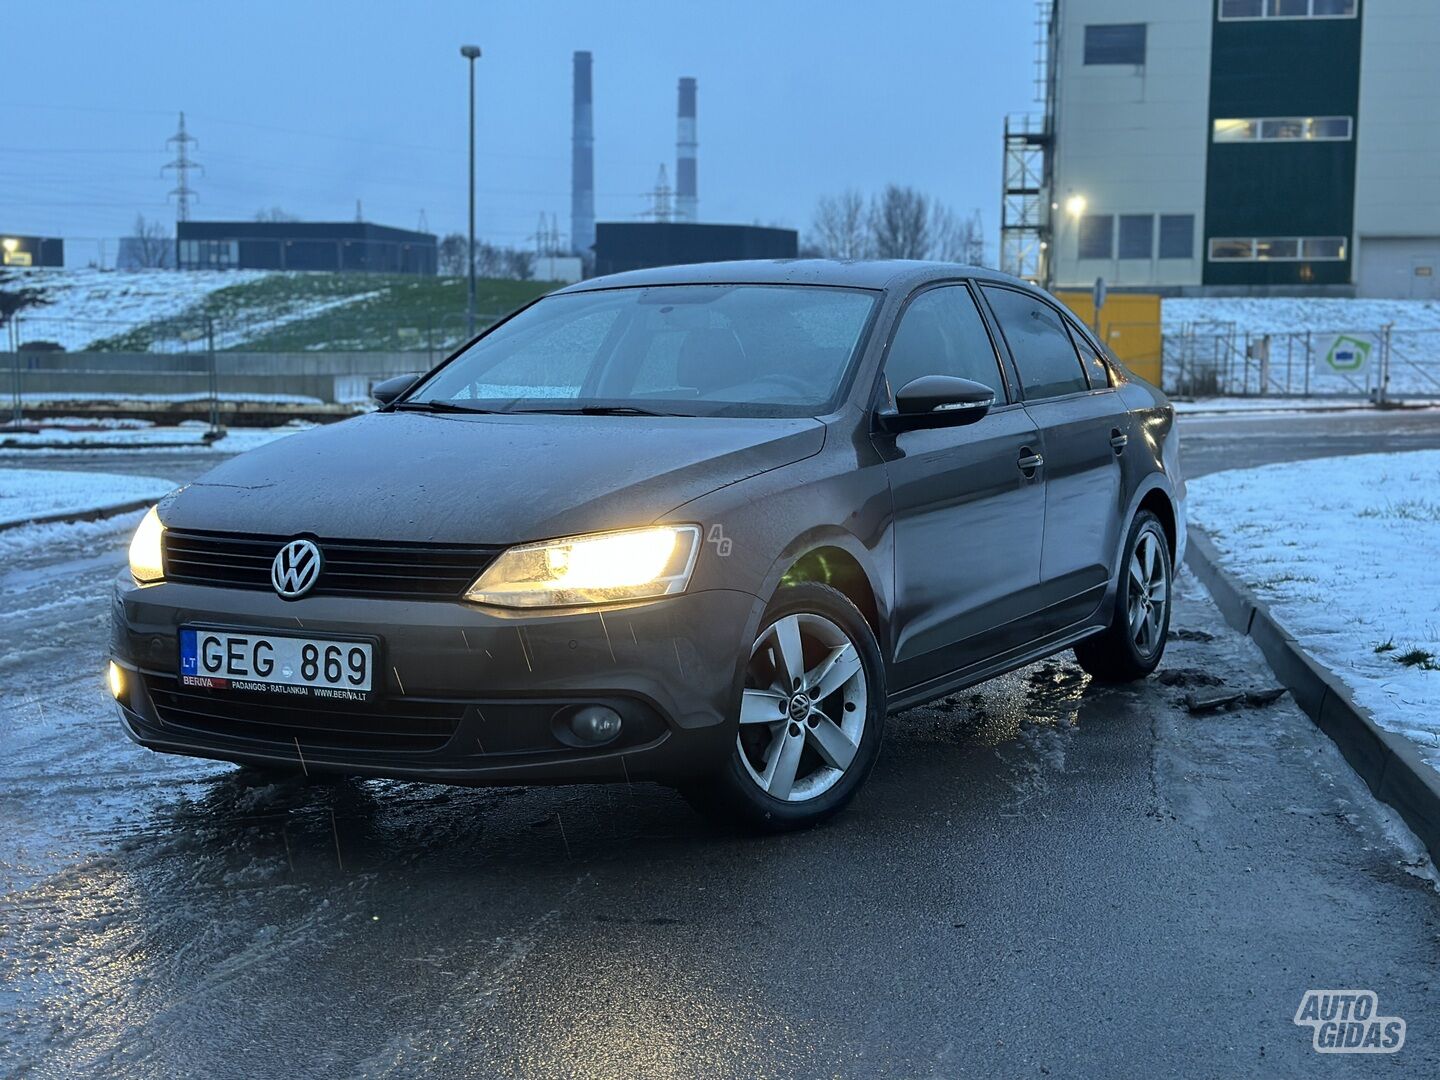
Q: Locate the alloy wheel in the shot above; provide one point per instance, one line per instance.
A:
(1149, 592)
(803, 710)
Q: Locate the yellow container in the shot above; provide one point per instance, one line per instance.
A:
(1129, 324)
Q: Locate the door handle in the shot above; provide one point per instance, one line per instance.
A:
(1118, 440)
(1029, 461)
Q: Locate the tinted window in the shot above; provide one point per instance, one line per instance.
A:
(1039, 342)
(1137, 236)
(1115, 43)
(941, 333)
(1177, 236)
(714, 350)
(1097, 233)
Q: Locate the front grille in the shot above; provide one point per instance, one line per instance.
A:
(411, 725)
(351, 567)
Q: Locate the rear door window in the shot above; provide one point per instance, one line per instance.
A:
(1049, 366)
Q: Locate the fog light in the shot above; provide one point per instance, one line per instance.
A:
(595, 724)
(117, 681)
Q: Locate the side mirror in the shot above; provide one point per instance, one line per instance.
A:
(389, 389)
(937, 401)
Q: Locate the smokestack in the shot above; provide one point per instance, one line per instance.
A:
(687, 191)
(582, 165)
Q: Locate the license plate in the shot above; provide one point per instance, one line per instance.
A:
(275, 663)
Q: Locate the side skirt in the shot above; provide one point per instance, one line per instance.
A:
(960, 680)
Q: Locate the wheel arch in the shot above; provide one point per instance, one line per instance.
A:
(1156, 495)
(836, 558)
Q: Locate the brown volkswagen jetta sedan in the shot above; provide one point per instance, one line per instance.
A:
(705, 525)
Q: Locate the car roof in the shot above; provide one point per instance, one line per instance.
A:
(847, 273)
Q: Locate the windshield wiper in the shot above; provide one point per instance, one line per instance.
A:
(437, 407)
(603, 410)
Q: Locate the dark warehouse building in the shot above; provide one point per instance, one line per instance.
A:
(642, 244)
(31, 250)
(304, 245)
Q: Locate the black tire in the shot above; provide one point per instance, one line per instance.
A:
(1120, 653)
(735, 793)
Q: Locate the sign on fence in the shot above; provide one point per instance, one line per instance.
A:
(1348, 352)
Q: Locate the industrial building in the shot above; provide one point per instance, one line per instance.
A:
(22, 251)
(1230, 147)
(304, 245)
(638, 245)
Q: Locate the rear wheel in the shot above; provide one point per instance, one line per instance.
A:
(811, 714)
(1134, 642)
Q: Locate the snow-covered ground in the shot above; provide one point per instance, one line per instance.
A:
(1346, 552)
(1283, 314)
(51, 396)
(84, 305)
(1281, 404)
(61, 440)
(27, 494)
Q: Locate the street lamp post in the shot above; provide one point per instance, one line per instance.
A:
(471, 53)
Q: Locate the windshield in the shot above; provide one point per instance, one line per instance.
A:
(697, 350)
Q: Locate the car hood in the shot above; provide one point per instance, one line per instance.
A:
(483, 479)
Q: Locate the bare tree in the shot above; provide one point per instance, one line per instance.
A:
(451, 254)
(491, 260)
(519, 264)
(275, 213)
(900, 224)
(956, 239)
(841, 230)
(150, 244)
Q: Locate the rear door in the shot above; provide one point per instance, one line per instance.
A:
(968, 518)
(1084, 428)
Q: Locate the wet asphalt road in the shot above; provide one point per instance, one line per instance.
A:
(1042, 877)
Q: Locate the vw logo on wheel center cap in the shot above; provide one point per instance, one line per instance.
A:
(799, 707)
(296, 568)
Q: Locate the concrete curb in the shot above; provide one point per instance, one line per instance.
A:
(1388, 763)
(67, 517)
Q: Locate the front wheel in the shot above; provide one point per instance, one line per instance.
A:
(1132, 646)
(811, 714)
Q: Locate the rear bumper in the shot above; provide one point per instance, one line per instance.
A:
(462, 695)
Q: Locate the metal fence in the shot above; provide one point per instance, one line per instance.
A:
(1382, 364)
(202, 383)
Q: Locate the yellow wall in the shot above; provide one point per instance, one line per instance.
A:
(1129, 324)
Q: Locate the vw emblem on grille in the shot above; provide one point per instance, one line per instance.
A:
(296, 569)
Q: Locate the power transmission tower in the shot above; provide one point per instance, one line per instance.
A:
(423, 225)
(661, 206)
(183, 164)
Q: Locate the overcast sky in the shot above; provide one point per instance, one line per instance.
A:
(309, 106)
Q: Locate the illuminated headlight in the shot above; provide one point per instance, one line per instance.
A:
(601, 568)
(145, 557)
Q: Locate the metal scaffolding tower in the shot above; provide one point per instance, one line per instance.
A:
(1025, 207)
(1025, 198)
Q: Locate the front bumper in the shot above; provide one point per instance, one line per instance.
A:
(462, 694)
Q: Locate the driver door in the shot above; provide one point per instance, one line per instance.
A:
(969, 520)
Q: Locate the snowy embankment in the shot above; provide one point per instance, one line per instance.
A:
(81, 306)
(1346, 553)
(35, 494)
(1287, 314)
(189, 436)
